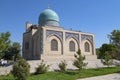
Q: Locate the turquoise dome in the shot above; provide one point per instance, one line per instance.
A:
(48, 15)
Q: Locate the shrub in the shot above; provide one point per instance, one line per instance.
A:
(21, 70)
(78, 62)
(42, 68)
(107, 60)
(63, 66)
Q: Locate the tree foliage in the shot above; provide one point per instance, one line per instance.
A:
(111, 48)
(78, 62)
(114, 37)
(13, 51)
(16, 48)
(107, 60)
(4, 43)
(8, 49)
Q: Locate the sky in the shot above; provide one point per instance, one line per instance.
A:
(99, 17)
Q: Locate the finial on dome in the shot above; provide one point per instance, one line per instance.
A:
(48, 6)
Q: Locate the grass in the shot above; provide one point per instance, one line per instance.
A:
(69, 75)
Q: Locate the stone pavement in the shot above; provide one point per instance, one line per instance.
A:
(115, 76)
(5, 70)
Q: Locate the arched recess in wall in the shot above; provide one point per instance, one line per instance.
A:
(87, 47)
(33, 54)
(36, 47)
(72, 45)
(54, 45)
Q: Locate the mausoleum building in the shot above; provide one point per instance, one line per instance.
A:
(49, 41)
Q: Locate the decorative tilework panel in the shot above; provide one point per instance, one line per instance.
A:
(89, 37)
(52, 32)
(76, 36)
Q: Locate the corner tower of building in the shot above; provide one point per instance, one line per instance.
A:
(48, 17)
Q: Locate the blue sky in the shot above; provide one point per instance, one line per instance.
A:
(99, 17)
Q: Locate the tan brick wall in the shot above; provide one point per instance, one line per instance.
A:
(63, 45)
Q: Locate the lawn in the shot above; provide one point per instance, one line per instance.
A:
(69, 75)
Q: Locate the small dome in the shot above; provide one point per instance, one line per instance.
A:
(48, 17)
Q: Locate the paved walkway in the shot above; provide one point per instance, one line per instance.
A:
(115, 76)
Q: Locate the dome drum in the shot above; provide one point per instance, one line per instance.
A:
(50, 23)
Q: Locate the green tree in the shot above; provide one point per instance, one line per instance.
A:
(114, 37)
(21, 69)
(13, 51)
(107, 60)
(63, 66)
(78, 62)
(111, 48)
(16, 48)
(8, 54)
(98, 53)
(4, 43)
(42, 68)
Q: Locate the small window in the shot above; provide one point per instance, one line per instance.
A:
(54, 45)
(26, 45)
(87, 47)
(72, 46)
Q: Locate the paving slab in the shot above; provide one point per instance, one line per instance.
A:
(115, 76)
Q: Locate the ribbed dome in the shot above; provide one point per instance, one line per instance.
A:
(48, 15)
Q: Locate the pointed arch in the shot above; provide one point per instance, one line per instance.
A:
(75, 40)
(71, 46)
(55, 36)
(87, 47)
(54, 45)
